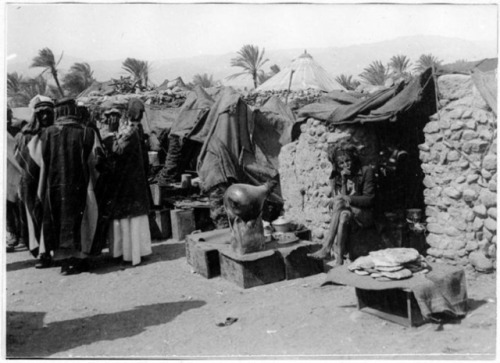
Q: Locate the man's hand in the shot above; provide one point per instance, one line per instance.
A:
(339, 199)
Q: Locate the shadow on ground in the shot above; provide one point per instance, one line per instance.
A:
(161, 252)
(27, 337)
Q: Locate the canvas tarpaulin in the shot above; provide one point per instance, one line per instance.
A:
(384, 105)
(273, 128)
(192, 114)
(228, 154)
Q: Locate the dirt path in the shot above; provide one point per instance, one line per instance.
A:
(160, 309)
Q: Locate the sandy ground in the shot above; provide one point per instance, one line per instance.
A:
(161, 309)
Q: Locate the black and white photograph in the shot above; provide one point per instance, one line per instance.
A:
(249, 180)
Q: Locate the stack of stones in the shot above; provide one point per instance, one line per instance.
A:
(460, 165)
(305, 170)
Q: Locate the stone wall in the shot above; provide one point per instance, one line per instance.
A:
(460, 166)
(305, 170)
(458, 160)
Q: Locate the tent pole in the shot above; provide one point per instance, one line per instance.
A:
(289, 85)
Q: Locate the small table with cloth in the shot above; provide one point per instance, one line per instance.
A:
(442, 291)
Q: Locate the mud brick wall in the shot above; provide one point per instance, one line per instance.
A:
(460, 165)
(305, 170)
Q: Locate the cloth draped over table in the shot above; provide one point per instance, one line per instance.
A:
(442, 290)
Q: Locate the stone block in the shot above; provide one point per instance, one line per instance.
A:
(452, 231)
(456, 113)
(469, 195)
(488, 198)
(457, 125)
(434, 252)
(436, 228)
(460, 179)
(450, 254)
(486, 174)
(464, 164)
(471, 246)
(452, 193)
(469, 135)
(480, 262)
(492, 251)
(490, 162)
(424, 147)
(471, 125)
(431, 127)
(429, 181)
(492, 213)
(444, 124)
(477, 224)
(492, 185)
(453, 155)
(480, 211)
(490, 224)
(469, 215)
(475, 146)
(472, 178)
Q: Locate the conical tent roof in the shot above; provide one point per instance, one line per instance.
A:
(307, 73)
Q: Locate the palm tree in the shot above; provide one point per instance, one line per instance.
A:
(204, 80)
(376, 73)
(79, 78)
(347, 82)
(400, 64)
(14, 83)
(262, 77)
(45, 59)
(251, 60)
(426, 61)
(139, 70)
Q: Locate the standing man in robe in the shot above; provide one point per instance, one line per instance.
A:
(70, 152)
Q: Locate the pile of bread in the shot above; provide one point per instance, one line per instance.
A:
(390, 264)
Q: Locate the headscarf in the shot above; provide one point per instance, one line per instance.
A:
(66, 108)
(38, 103)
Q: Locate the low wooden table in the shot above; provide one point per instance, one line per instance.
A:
(409, 302)
(395, 305)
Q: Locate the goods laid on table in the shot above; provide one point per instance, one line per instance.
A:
(391, 264)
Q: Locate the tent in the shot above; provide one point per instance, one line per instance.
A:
(388, 104)
(230, 152)
(274, 122)
(305, 73)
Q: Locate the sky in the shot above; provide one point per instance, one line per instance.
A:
(163, 31)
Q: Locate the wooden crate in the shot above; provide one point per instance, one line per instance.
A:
(253, 269)
(203, 256)
(297, 263)
(183, 223)
(395, 305)
(162, 219)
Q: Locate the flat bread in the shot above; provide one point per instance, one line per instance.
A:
(398, 275)
(389, 268)
(391, 257)
(361, 272)
(362, 263)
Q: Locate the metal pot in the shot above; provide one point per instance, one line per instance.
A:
(282, 225)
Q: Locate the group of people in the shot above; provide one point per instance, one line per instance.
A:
(80, 189)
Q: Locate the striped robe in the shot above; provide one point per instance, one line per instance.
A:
(67, 154)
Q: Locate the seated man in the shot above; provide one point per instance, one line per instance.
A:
(353, 191)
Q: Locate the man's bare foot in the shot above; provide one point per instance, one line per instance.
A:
(321, 254)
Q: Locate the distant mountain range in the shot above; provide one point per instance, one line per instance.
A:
(350, 60)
